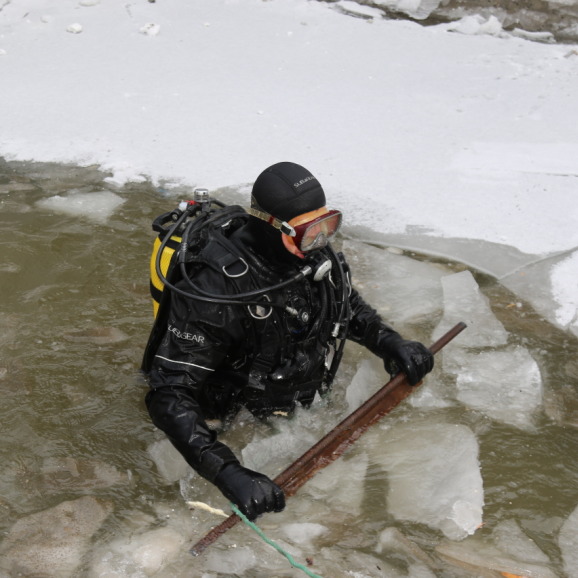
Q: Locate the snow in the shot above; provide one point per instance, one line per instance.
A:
(443, 135)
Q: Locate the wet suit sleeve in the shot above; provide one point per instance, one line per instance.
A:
(197, 339)
(368, 329)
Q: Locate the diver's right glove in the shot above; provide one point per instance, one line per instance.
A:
(253, 493)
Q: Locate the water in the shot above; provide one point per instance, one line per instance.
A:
(546, 21)
(75, 316)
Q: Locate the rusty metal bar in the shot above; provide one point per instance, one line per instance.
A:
(337, 441)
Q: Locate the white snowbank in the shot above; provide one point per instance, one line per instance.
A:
(412, 131)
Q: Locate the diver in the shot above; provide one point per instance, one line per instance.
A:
(255, 312)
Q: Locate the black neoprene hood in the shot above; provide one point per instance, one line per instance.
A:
(286, 190)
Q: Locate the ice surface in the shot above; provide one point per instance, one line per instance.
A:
(169, 462)
(233, 562)
(291, 442)
(418, 9)
(344, 563)
(341, 483)
(550, 286)
(434, 476)
(463, 301)
(402, 289)
(565, 291)
(52, 542)
(568, 541)
(368, 378)
(98, 206)
(137, 555)
(504, 385)
(507, 550)
(303, 532)
(392, 540)
(476, 24)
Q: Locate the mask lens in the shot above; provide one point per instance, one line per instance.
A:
(317, 233)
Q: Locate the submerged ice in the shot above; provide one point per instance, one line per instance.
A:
(97, 206)
(434, 476)
(568, 541)
(463, 301)
(500, 380)
(423, 473)
(508, 551)
(504, 385)
(52, 542)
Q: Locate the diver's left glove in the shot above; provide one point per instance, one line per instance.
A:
(253, 493)
(411, 357)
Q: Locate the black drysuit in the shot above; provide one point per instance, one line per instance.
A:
(210, 358)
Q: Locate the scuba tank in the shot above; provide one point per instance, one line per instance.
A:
(170, 228)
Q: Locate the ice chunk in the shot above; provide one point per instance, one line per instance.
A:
(350, 563)
(392, 540)
(138, 555)
(568, 542)
(292, 440)
(508, 551)
(370, 376)
(52, 542)
(341, 483)
(476, 24)
(304, 532)
(402, 289)
(463, 301)
(74, 28)
(565, 292)
(170, 464)
(434, 476)
(58, 473)
(233, 562)
(561, 404)
(436, 392)
(418, 9)
(505, 385)
(97, 206)
(356, 9)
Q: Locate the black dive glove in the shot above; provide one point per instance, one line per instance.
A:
(411, 357)
(253, 493)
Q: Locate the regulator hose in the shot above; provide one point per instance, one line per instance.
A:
(199, 294)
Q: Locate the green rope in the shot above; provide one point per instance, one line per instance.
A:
(274, 544)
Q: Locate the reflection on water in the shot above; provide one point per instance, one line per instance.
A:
(75, 315)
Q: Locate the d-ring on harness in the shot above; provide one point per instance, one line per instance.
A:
(233, 275)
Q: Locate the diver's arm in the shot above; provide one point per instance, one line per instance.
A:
(174, 411)
(188, 354)
(367, 328)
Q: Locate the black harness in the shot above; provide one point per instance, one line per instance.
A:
(290, 353)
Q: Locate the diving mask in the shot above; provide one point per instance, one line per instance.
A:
(306, 232)
(312, 230)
